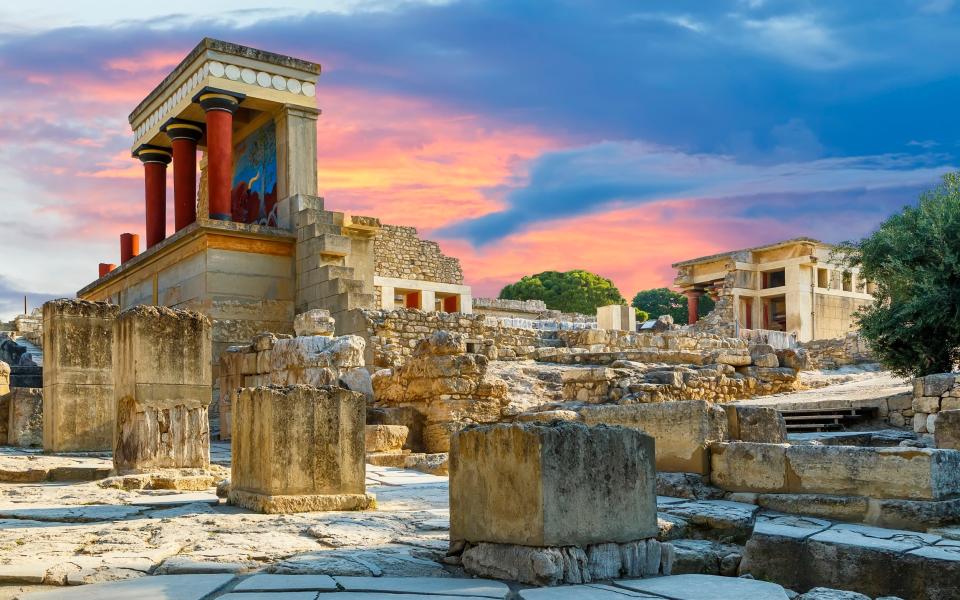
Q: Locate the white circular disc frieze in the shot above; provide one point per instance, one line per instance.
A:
(263, 79)
(279, 83)
(216, 68)
(232, 72)
(294, 86)
(248, 76)
(309, 89)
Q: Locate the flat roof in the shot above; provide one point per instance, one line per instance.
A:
(773, 246)
(226, 48)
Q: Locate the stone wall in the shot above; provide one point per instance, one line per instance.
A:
(850, 349)
(392, 335)
(674, 346)
(932, 394)
(399, 253)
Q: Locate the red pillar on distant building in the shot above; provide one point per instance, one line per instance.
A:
(106, 268)
(184, 136)
(219, 106)
(155, 160)
(129, 246)
(693, 305)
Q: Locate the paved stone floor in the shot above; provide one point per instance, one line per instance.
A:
(318, 587)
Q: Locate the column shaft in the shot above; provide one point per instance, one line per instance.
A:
(129, 246)
(155, 183)
(184, 182)
(219, 162)
(693, 306)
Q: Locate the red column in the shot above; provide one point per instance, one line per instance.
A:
(129, 246)
(693, 305)
(106, 268)
(155, 161)
(219, 106)
(184, 136)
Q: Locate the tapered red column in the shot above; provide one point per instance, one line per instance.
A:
(184, 136)
(155, 160)
(129, 246)
(219, 106)
(106, 268)
(693, 305)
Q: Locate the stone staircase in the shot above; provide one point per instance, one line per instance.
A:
(323, 278)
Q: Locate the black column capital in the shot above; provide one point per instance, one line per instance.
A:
(148, 153)
(211, 98)
(177, 129)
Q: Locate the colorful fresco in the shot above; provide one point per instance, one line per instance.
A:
(254, 191)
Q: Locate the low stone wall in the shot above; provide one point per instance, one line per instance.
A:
(392, 335)
(931, 395)
(888, 473)
(851, 349)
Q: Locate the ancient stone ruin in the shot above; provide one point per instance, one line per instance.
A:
(277, 400)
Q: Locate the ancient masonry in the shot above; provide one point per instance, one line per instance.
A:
(281, 358)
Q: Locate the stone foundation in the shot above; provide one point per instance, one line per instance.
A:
(25, 417)
(78, 397)
(162, 372)
(932, 394)
(299, 449)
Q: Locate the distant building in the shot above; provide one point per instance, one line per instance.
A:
(789, 286)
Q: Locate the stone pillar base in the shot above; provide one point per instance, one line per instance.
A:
(264, 503)
(554, 565)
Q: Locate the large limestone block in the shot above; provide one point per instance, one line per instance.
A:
(25, 417)
(684, 430)
(749, 467)
(79, 406)
(907, 473)
(762, 424)
(947, 432)
(314, 360)
(314, 322)
(557, 484)
(162, 376)
(298, 449)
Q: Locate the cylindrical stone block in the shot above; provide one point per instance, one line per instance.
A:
(106, 268)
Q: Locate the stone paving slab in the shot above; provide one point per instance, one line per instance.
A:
(271, 596)
(583, 592)
(705, 587)
(282, 583)
(166, 587)
(476, 588)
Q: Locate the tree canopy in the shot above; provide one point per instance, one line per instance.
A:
(573, 291)
(913, 324)
(664, 301)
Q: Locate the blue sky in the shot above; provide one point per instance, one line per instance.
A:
(524, 128)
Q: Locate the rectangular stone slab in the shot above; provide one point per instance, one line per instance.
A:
(556, 484)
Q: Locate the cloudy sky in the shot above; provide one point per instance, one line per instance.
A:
(523, 135)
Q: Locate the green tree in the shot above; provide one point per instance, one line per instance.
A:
(664, 301)
(913, 324)
(573, 291)
(642, 315)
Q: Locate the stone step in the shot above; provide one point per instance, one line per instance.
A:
(335, 272)
(316, 230)
(335, 287)
(328, 244)
(347, 301)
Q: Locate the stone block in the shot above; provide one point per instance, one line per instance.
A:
(603, 475)
(293, 359)
(905, 473)
(926, 404)
(79, 407)
(314, 322)
(25, 417)
(4, 378)
(684, 430)
(947, 434)
(299, 449)
(937, 384)
(749, 467)
(385, 438)
(761, 424)
(162, 387)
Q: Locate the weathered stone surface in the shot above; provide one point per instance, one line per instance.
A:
(314, 360)
(182, 587)
(822, 593)
(162, 375)
(25, 423)
(683, 430)
(693, 587)
(762, 424)
(687, 485)
(298, 449)
(4, 378)
(720, 520)
(314, 322)
(385, 438)
(568, 564)
(749, 467)
(79, 405)
(947, 434)
(845, 508)
(898, 472)
(602, 474)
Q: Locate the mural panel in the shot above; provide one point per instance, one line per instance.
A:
(254, 190)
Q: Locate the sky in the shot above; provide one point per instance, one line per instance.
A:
(523, 135)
